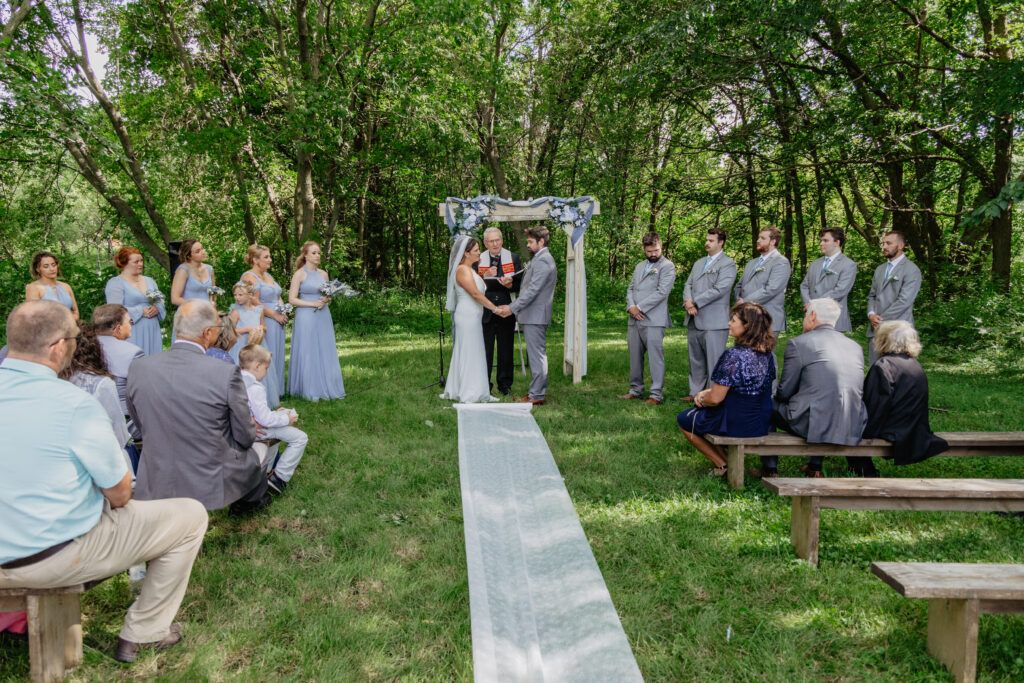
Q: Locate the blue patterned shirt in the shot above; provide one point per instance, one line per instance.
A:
(745, 371)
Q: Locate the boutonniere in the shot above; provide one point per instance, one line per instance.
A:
(893, 278)
(652, 271)
(829, 271)
(759, 269)
(711, 272)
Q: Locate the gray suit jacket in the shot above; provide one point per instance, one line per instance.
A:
(533, 307)
(822, 384)
(893, 299)
(196, 426)
(709, 292)
(767, 287)
(836, 284)
(119, 355)
(650, 293)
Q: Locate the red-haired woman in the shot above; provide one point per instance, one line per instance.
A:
(314, 371)
(45, 268)
(139, 294)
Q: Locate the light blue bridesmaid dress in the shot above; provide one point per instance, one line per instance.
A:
(57, 293)
(194, 289)
(245, 319)
(273, 340)
(314, 371)
(145, 331)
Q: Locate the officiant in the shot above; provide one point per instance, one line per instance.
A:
(502, 273)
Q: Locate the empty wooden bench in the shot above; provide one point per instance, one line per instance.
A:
(54, 627)
(957, 594)
(961, 444)
(812, 495)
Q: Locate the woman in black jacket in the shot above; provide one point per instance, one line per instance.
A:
(896, 398)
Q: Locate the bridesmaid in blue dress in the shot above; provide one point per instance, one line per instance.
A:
(269, 293)
(247, 315)
(193, 278)
(45, 267)
(314, 371)
(129, 289)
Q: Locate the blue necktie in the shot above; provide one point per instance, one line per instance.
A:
(828, 260)
(647, 268)
(760, 262)
(706, 264)
(888, 270)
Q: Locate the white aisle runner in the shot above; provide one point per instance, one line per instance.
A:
(539, 606)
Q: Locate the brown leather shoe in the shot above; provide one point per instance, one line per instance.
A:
(652, 402)
(527, 399)
(686, 399)
(758, 473)
(128, 652)
(629, 395)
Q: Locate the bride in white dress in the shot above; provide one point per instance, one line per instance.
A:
(467, 374)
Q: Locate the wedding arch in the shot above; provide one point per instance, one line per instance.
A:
(471, 216)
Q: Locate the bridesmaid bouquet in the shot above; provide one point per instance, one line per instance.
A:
(335, 288)
(283, 308)
(214, 290)
(155, 296)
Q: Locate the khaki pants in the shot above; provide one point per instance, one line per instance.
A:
(165, 533)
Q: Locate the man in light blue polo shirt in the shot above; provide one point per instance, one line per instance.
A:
(65, 494)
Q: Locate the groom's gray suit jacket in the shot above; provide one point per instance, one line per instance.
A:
(533, 307)
(835, 283)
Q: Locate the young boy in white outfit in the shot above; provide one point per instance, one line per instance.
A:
(254, 361)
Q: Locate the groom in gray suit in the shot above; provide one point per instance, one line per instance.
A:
(647, 306)
(194, 415)
(765, 278)
(706, 298)
(893, 288)
(533, 310)
(831, 276)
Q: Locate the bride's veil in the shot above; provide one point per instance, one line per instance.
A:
(454, 259)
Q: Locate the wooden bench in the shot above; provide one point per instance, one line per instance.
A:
(812, 495)
(54, 627)
(961, 444)
(957, 594)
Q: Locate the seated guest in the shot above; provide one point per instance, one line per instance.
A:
(819, 395)
(113, 327)
(896, 398)
(88, 371)
(65, 479)
(739, 402)
(255, 362)
(226, 340)
(194, 416)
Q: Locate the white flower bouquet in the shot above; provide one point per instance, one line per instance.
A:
(155, 296)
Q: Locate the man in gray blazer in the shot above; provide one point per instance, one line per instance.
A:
(820, 393)
(113, 327)
(647, 306)
(195, 420)
(831, 276)
(765, 278)
(533, 310)
(893, 288)
(706, 297)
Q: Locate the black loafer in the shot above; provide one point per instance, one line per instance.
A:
(276, 484)
(128, 652)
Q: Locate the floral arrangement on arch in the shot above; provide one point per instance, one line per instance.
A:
(567, 212)
(471, 215)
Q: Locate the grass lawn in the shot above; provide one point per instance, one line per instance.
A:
(358, 572)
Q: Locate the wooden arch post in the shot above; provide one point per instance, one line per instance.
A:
(574, 357)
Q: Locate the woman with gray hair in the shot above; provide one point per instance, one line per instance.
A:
(896, 398)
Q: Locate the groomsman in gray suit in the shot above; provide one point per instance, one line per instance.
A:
(831, 276)
(707, 310)
(647, 306)
(194, 415)
(765, 278)
(533, 310)
(820, 394)
(893, 288)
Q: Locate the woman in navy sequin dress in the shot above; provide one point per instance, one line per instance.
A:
(739, 402)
